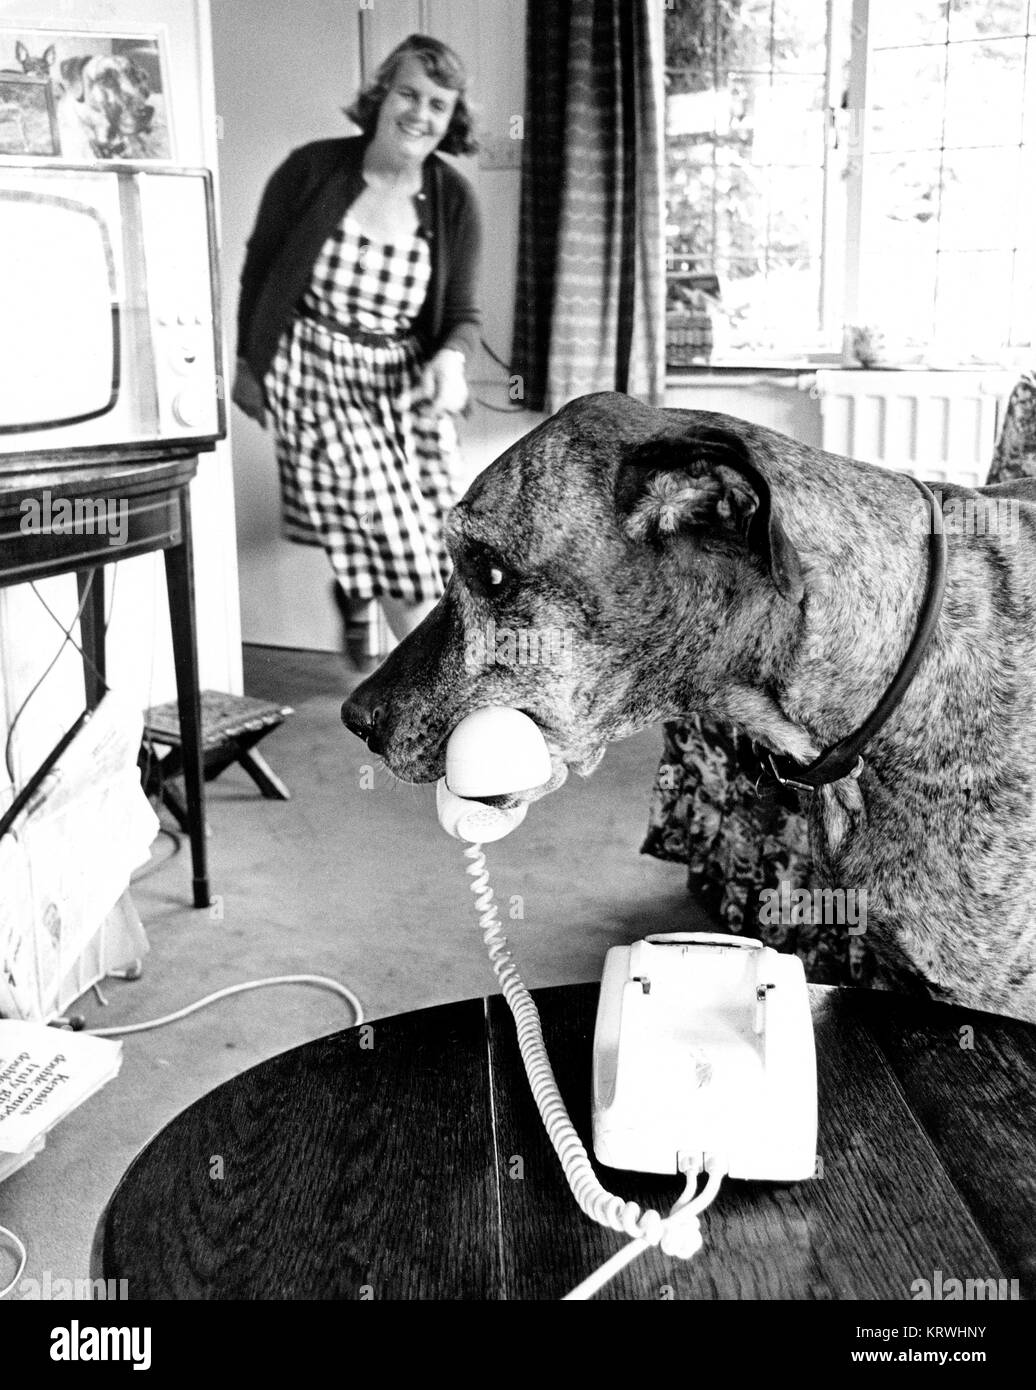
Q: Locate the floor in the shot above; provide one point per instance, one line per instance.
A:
(352, 878)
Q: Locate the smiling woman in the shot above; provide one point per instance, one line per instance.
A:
(356, 317)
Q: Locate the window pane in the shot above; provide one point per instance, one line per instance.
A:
(746, 38)
(1029, 113)
(741, 231)
(1023, 299)
(984, 92)
(690, 216)
(746, 148)
(979, 200)
(762, 307)
(800, 35)
(1026, 191)
(974, 19)
(898, 295)
(907, 21)
(901, 204)
(787, 121)
(697, 114)
(906, 97)
(973, 318)
(796, 215)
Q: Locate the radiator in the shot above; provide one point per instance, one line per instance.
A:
(941, 426)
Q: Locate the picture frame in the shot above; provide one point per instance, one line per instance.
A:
(59, 71)
(28, 121)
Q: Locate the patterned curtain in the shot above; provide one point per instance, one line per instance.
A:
(590, 309)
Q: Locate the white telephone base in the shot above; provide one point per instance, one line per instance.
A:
(704, 1046)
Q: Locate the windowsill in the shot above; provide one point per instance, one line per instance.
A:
(741, 369)
(712, 373)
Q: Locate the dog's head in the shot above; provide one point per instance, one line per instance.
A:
(114, 92)
(618, 565)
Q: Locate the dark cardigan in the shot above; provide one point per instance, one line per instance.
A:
(302, 205)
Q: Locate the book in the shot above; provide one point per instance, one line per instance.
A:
(44, 1074)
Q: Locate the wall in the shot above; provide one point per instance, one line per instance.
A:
(785, 403)
(282, 74)
(139, 646)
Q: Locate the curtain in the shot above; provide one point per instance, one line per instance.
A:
(590, 307)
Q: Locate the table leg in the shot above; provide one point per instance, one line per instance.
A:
(91, 628)
(179, 574)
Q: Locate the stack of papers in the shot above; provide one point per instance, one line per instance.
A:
(44, 1074)
(68, 859)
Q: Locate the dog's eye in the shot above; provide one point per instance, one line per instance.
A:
(487, 571)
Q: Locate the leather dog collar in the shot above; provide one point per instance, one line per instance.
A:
(844, 758)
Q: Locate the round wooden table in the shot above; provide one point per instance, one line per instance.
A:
(404, 1159)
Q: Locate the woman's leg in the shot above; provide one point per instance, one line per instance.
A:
(403, 615)
(358, 615)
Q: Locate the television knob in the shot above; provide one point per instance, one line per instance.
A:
(187, 408)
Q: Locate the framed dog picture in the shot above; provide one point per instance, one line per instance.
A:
(28, 124)
(81, 96)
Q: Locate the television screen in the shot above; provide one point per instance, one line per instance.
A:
(58, 312)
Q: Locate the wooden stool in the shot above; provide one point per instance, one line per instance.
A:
(231, 726)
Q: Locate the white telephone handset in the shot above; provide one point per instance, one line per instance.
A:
(703, 1051)
(491, 752)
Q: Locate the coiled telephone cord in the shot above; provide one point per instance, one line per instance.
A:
(678, 1234)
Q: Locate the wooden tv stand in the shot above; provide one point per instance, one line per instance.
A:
(156, 490)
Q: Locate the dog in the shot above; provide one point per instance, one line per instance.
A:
(109, 95)
(701, 563)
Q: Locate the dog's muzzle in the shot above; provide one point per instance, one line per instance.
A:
(366, 719)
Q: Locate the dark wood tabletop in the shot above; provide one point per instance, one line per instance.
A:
(405, 1159)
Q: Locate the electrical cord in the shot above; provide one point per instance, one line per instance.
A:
(21, 1258)
(68, 630)
(488, 405)
(318, 981)
(9, 746)
(501, 409)
(678, 1234)
(495, 356)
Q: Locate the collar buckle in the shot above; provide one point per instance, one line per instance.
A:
(823, 780)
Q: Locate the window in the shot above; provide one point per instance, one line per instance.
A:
(860, 162)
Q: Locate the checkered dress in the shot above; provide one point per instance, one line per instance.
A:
(366, 470)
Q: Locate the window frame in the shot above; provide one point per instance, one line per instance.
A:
(849, 48)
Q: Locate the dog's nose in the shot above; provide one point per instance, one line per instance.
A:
(364, 718)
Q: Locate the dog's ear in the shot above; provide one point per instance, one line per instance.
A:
(705, 482)
(49, 55)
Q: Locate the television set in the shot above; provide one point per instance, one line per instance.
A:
(109, 330)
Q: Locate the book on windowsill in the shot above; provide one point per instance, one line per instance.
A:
(45, 1073)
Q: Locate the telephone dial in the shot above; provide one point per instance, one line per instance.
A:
(703, 1060)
